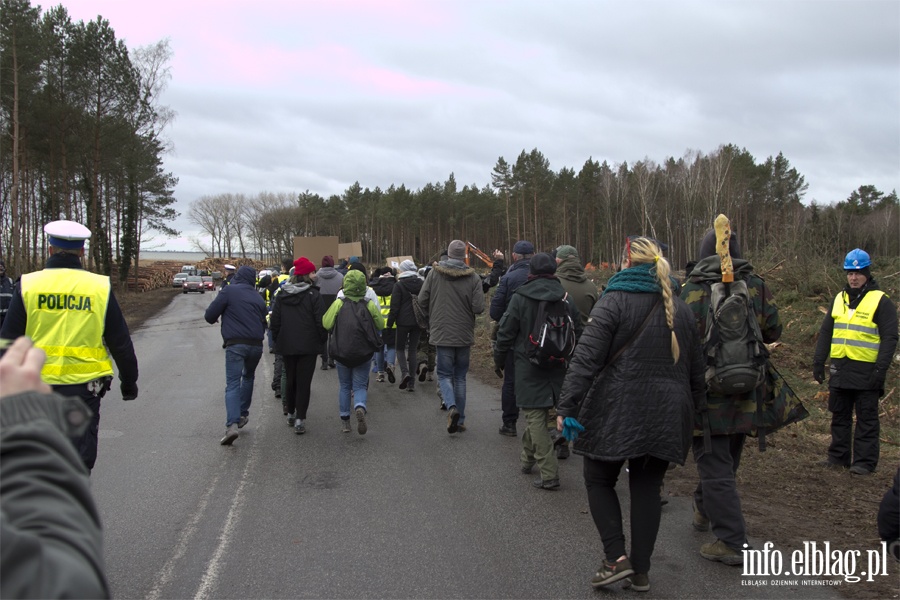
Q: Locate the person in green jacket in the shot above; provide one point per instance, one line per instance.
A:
(537, 389)
(354, 379)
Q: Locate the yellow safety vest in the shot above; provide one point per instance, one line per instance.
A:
(384, 305)
(66, 313)
(855, 336)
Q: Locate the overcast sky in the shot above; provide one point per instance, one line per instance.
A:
(290, 95)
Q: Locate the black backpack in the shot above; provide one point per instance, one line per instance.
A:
(552, 338)
(354, 338)
(735, 353)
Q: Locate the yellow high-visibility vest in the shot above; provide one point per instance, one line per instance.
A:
(66, 313)
(384, 305)
(855, 336)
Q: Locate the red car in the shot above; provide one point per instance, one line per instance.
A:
(194, 283)
(208, 283)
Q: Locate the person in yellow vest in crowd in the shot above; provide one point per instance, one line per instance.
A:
(859, 334)
(73, 316)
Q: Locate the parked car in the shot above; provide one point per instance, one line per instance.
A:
(178, 280)
(208, 283)
(194, 283)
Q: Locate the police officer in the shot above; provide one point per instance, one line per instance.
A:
(73, 316)
(229, 275)
(860, 336)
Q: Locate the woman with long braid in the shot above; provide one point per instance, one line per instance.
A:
(631, 390)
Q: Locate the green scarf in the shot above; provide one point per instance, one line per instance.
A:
(638, 278)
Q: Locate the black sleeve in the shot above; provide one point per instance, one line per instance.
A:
(118, 340)
(823, 344)
(16, 317)
(886, 320)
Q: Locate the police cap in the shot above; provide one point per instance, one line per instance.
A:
(67, 235)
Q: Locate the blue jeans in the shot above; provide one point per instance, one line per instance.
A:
(355, 380)
(452, 366)
(386, 355)
(240, 367)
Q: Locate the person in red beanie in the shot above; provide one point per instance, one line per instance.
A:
(296, 325)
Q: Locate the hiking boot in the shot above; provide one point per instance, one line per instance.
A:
(562, 451)
(509, 429)
(380, 377)
(701, 521)
(639, 582)
(404, 383)
(324, 366)
(345, 425)
(831, 465)
(546, 484)
(361, 420)
(860, 470)
(290, 419)
(612, 572)
(422, 371)
(718, 551)
(527, 469)
(389, 369)
(299, 427)
(231, 434)
(243, 421)
(453, 420)
(460, 428)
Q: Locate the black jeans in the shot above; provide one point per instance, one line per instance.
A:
(299, 370)
(866, 449)
(645, 477)
(89, 440)
(716, 496)
(508, 391)
(407, 344)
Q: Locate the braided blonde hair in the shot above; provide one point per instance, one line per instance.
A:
(644, 250)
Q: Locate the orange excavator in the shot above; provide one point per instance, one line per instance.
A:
(470, 247)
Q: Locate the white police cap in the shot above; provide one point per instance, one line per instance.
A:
(67, 235)
(229, 267)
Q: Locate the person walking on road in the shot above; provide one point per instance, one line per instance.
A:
(632, 387)
(296, 324)
(859, 335)
(243, 314)
(716, 499)
(451, 297)
(329, 280)
(515, 276)
(404, 317)
(354, 321)
(538, 389)
(72, 314)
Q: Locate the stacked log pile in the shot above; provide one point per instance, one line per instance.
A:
(160, 273)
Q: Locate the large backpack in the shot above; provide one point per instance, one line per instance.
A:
(735, 352)
(354, 338)
(551, 341)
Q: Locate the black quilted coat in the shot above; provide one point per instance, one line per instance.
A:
(641, 404)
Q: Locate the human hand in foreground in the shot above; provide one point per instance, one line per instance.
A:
(20, 369)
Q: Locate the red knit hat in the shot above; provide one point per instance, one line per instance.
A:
(303, 266)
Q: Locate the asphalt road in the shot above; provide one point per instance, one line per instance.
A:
(405, 511)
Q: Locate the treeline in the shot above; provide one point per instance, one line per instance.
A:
(592, 209)
(82, 126)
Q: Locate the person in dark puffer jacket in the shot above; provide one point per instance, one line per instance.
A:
(408, 331)
(243, 314)
(296, 325)
(639, 409)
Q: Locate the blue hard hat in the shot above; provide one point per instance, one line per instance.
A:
(856, 260)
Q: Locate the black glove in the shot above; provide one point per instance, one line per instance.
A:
(129, 391)
(878, 378)
(819, 373)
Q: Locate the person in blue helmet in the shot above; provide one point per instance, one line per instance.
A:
(859, 335)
